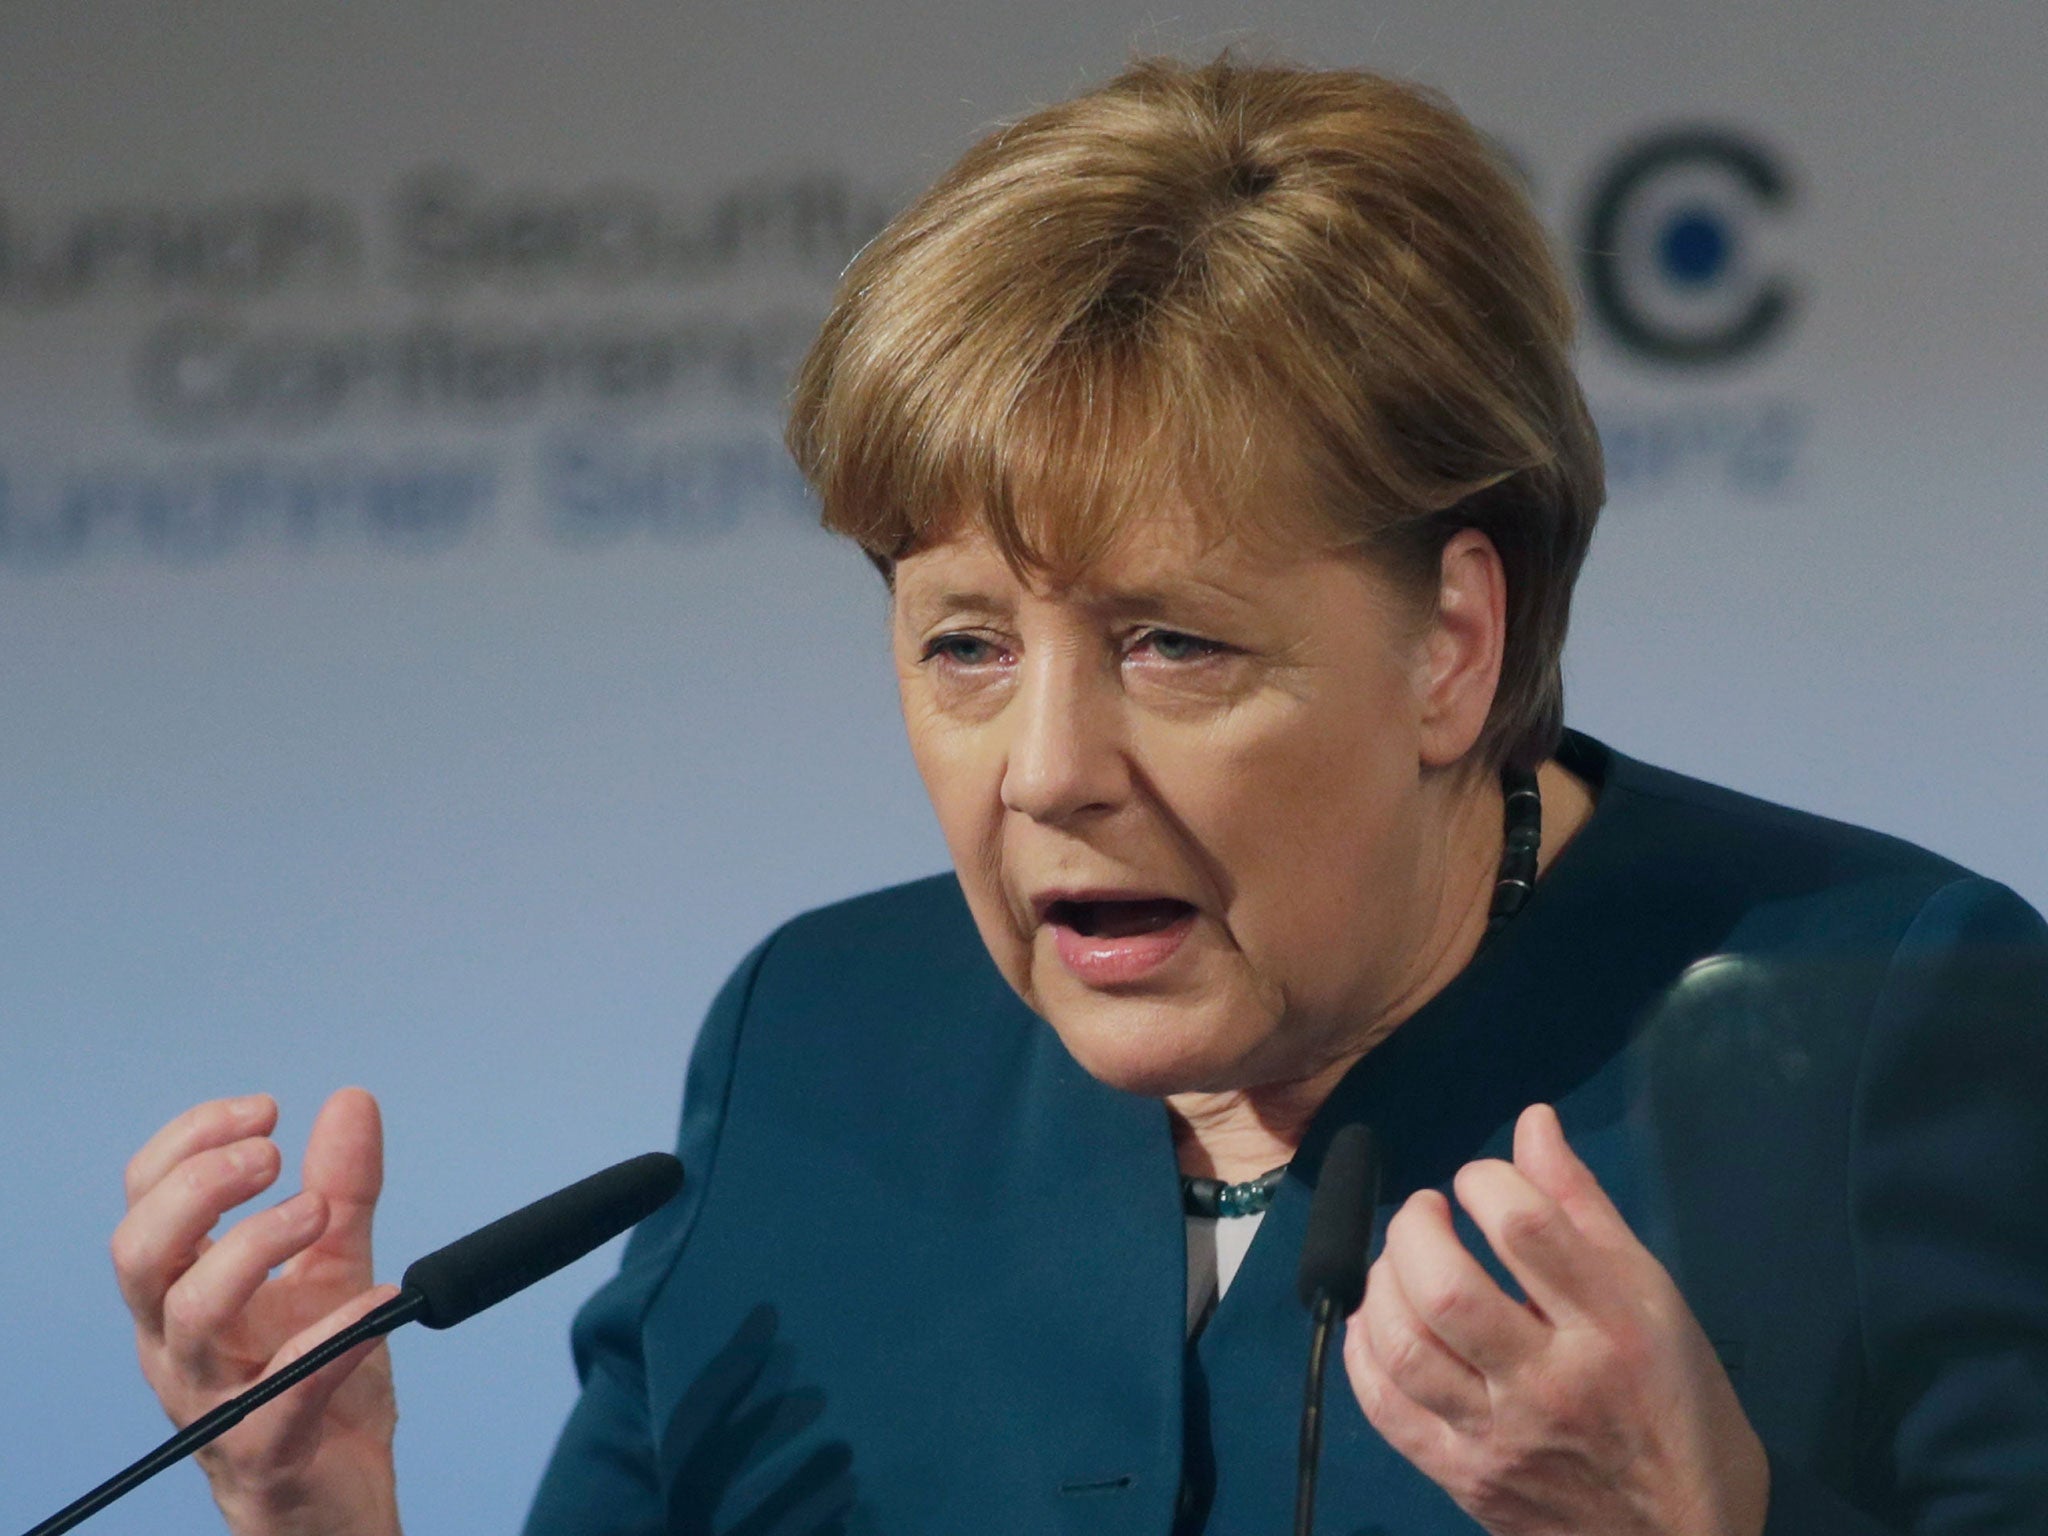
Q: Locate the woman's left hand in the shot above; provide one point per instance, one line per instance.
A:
(1595, 1405)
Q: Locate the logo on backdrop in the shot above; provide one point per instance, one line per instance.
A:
(1671, 256)
(1679, 245)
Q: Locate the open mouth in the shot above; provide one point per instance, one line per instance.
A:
(1117, 919)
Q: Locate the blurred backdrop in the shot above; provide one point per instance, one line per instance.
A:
(418, 667)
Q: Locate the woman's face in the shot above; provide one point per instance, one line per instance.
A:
(1196, 799)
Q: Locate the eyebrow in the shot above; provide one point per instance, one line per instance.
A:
(1199, 597)
(923, 606)
(1145, 594)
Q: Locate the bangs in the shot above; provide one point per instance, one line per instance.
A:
(1097, 437)
(1052, 345)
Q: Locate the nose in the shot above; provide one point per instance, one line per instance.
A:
(1067, 756)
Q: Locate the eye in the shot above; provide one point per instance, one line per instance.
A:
(1173, 645)
(960, 650)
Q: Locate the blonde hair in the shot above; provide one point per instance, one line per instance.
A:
(1253, 290)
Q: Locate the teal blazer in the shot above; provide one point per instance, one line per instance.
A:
(927, 1276)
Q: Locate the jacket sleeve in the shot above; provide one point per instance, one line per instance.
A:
(602, 1480)
(1948, 1191)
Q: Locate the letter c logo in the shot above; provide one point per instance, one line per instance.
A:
(1666, 259)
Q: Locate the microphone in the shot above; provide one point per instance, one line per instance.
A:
(481, 1270)
(1340, 1221)
(1331, 1281)
(446, 1287)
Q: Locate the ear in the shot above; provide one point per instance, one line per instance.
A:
(1462, 645)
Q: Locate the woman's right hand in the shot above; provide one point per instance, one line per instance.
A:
(211, 1319)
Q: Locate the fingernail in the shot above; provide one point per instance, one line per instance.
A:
(300, 1210)
(249, 1106)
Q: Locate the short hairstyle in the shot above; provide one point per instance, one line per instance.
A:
(1252, 290)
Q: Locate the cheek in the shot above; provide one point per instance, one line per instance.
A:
(963, 780)
(953, 784)
(1305, 830)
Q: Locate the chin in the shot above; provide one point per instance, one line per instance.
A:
(1145, 1048)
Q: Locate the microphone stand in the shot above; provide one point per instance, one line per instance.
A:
(1331, 1281)
(440, 1290)
(1324, 1314)
(400, 1309)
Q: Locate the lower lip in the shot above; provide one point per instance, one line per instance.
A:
(1102, 962)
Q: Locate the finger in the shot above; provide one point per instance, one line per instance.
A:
(289, 1425)
(1426, 1440)
(1547, 1160)
(1451, 1294)
(344, 1165)
(210, 1295)
(199, 1129)
(1566, 1277)
(165, 1232)
(1416, 1360)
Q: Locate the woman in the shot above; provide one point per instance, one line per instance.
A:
(1217, 436)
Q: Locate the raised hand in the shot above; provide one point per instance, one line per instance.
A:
(211, 1319)
(1596, 1405)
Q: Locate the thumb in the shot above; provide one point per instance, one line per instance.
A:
(345, 1164)
(1546, 1159)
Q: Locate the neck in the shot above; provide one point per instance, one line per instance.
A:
(1240, 1133)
